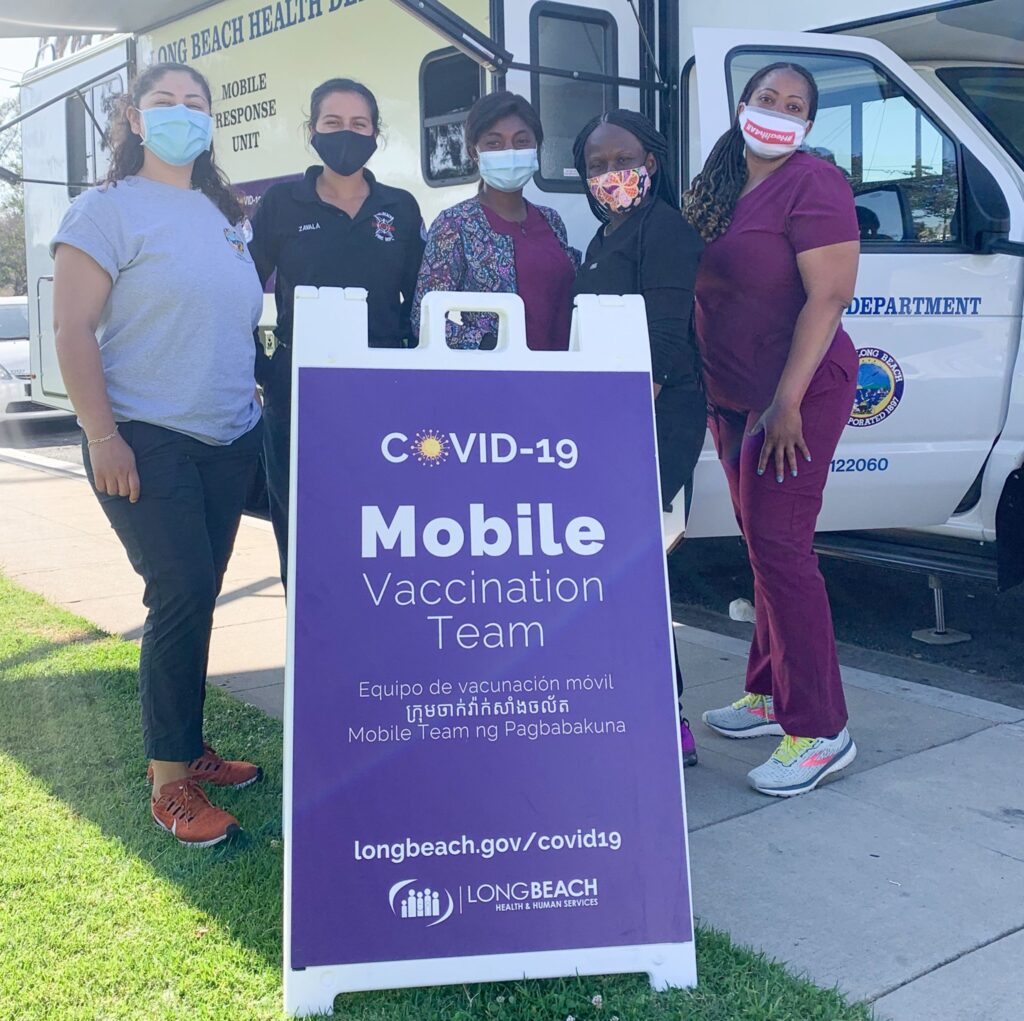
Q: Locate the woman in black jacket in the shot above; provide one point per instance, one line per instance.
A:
(644, 246)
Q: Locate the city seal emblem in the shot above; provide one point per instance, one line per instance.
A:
(236, 239)
(879, 387)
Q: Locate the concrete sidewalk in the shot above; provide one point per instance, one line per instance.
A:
(902, 882)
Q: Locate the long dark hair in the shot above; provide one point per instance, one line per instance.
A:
(653, 141)
(332, 85)
(127, 153)
(712, 197)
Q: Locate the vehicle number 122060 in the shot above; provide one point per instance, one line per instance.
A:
(860, 464)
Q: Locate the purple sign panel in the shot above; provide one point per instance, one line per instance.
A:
(484, 740)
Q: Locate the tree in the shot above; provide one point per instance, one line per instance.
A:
(937, 197)
(13, 272)
(63, 44)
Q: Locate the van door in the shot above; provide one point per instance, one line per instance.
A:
(64, 143)
(936, 323)
(596, 46)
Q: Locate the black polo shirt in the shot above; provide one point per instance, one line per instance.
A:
(309, 241)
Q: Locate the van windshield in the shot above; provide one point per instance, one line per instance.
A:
(995, 95)
(14, 321)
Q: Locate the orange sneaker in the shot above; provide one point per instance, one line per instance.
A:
(183, 810)
(212, 769)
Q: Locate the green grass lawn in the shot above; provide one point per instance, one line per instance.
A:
(104, 917)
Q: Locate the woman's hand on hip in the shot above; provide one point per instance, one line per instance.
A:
(783, 439)
(113, 469)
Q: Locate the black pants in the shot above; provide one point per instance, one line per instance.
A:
(275, 377)
(681, 420)
(681, 423)
(178, 537)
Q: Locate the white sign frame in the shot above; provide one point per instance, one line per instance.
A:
(609, 334)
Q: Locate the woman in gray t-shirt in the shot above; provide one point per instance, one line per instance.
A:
(155, 301)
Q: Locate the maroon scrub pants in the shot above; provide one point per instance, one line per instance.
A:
(793, 655)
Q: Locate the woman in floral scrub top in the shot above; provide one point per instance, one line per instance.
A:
(497, 241)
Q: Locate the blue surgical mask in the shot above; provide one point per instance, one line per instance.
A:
(508, 169)
(176, 134)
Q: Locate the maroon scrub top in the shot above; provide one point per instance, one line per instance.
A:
(749, 291)
(544, 277)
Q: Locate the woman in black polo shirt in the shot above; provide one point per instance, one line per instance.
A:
(337, 227)
(644, 246)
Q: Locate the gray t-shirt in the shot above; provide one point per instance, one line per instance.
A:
(176, 333)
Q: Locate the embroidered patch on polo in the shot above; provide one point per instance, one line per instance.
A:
(384, 226)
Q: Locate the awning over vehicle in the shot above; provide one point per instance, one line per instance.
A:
(35, 18)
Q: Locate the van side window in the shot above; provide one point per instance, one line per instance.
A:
(450, 83)
(995, 96)
(901, 165)
(569, 38)
(76, 127)
(87, 144)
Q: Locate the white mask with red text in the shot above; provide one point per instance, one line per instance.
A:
(769, 134)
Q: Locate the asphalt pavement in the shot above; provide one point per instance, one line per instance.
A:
(873, 608)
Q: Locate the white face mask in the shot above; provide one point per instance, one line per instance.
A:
(769, 134)
(508, 169)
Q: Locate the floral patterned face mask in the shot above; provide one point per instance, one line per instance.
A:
(620, 190)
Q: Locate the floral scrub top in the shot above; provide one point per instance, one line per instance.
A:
(465, 253)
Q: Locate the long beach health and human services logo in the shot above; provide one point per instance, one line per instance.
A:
(429, 905)
(879, 387)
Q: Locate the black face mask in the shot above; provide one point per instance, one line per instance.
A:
(344, 152)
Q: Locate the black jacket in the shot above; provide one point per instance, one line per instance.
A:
(654, 253)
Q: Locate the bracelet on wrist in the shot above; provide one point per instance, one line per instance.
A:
(101, 439)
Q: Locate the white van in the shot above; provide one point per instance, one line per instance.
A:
(922, 107)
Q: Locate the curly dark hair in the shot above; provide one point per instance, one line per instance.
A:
(127, 153)
(712, 197)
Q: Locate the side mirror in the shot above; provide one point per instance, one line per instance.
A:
(985, 212)
(884, 213)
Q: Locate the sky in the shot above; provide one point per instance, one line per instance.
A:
(16, 57)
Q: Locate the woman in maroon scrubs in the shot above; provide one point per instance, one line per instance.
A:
(780, 374)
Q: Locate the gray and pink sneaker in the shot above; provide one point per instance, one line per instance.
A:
(799, 764)
(751, 716)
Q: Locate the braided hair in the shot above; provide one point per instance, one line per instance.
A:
(712, 197)
(127, 153)
(653, 141)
